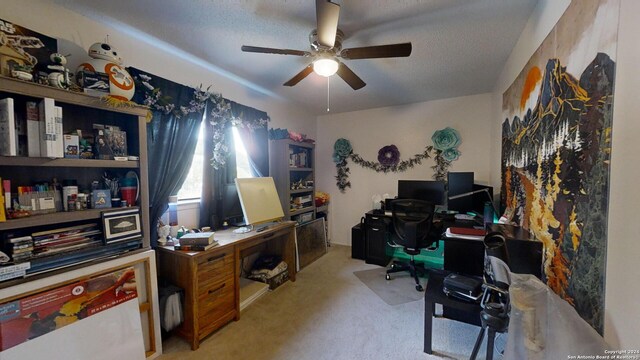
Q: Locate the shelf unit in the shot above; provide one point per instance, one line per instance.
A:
(291, 164)
(80, 111)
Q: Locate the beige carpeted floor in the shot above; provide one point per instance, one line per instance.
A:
(328, 313)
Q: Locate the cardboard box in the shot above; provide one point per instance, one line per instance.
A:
(33, 129)
(8, 146)
(71, 146)
(94, 83)
(101, 199)
(47, 115)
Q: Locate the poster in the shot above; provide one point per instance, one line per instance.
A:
(29, 318)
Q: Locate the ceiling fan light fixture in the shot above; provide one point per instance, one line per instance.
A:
(325, 67)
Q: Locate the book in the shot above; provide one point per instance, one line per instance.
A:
(47, 116)
(195, 247)
(467, 231)
(58, 146)
(33, 129)
(203, 238)
(8, 146)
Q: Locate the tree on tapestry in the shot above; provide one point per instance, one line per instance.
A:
(555, 151)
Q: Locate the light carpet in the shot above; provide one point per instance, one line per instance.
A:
(399, 290)
(329, 314)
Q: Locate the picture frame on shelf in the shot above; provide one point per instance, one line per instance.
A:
(121, 225)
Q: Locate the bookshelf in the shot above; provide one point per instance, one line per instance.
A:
(292, 164)
(81, 111)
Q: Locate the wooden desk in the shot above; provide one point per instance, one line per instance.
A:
(210, 279)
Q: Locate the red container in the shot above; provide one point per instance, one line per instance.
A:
(129, 193)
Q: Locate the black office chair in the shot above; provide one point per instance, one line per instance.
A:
(495, 300)
(412, 221)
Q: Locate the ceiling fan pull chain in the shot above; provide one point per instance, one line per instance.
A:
(328, 79)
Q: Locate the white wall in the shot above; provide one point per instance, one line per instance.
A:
(622, 328)
(410, 128)
(75, 33)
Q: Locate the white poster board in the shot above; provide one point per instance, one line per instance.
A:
(97, 318)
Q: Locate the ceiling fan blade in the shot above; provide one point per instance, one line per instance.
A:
(265, 50)
(327, 14)
(381, 51)
(299, 76)
(350, 77)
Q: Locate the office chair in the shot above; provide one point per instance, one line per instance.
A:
(412, 222)
(495, 299)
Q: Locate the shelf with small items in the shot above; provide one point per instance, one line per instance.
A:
(41, 176)
(293, 168)
(63, 162)
(56, 218)
(300, 191)
(300, 211)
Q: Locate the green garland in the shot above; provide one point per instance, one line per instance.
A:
(444, 151)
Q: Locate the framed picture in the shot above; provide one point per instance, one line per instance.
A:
(121, 225)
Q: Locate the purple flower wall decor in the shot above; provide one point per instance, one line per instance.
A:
(444, 150)
(389, 156)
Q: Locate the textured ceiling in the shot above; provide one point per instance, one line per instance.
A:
(459, 46)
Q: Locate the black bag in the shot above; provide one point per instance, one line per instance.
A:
(463, 287)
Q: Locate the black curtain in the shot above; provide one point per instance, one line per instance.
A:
(171, 142)
(218, 194)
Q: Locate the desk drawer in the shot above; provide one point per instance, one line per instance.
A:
(215, 302)
(378, 221)
(214, 267)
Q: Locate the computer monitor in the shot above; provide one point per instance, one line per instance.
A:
(460, 183)
(432, 191)
(231, 208)
(259, 200)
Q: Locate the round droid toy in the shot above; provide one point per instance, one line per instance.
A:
(106, 61)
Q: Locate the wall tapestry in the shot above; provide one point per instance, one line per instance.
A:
(444, 150)
(556, 144)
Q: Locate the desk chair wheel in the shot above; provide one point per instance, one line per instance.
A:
(419, 288)
(388, 277)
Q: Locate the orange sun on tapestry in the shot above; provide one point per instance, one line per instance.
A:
(556, 139)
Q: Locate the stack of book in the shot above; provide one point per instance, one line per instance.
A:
(21, 248)
(59, 241)
(196, 242)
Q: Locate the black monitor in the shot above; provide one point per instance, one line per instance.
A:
(231, 208)
(460, 183)
(431, 191)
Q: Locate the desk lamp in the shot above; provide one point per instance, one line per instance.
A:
(486, 215)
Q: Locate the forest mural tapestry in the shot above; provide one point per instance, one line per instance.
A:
(556, 144)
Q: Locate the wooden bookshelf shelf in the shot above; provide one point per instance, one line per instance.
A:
(301, 211)
(56, 218)
(300, 191)
(81, 163)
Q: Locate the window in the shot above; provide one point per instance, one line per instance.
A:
(243, 169)
(192, 187)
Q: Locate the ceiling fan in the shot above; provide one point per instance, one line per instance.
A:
(326, 48)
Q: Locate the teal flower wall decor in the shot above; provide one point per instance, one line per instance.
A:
(451, 154)
(446, 138)
(444, 151)
(341, 149)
